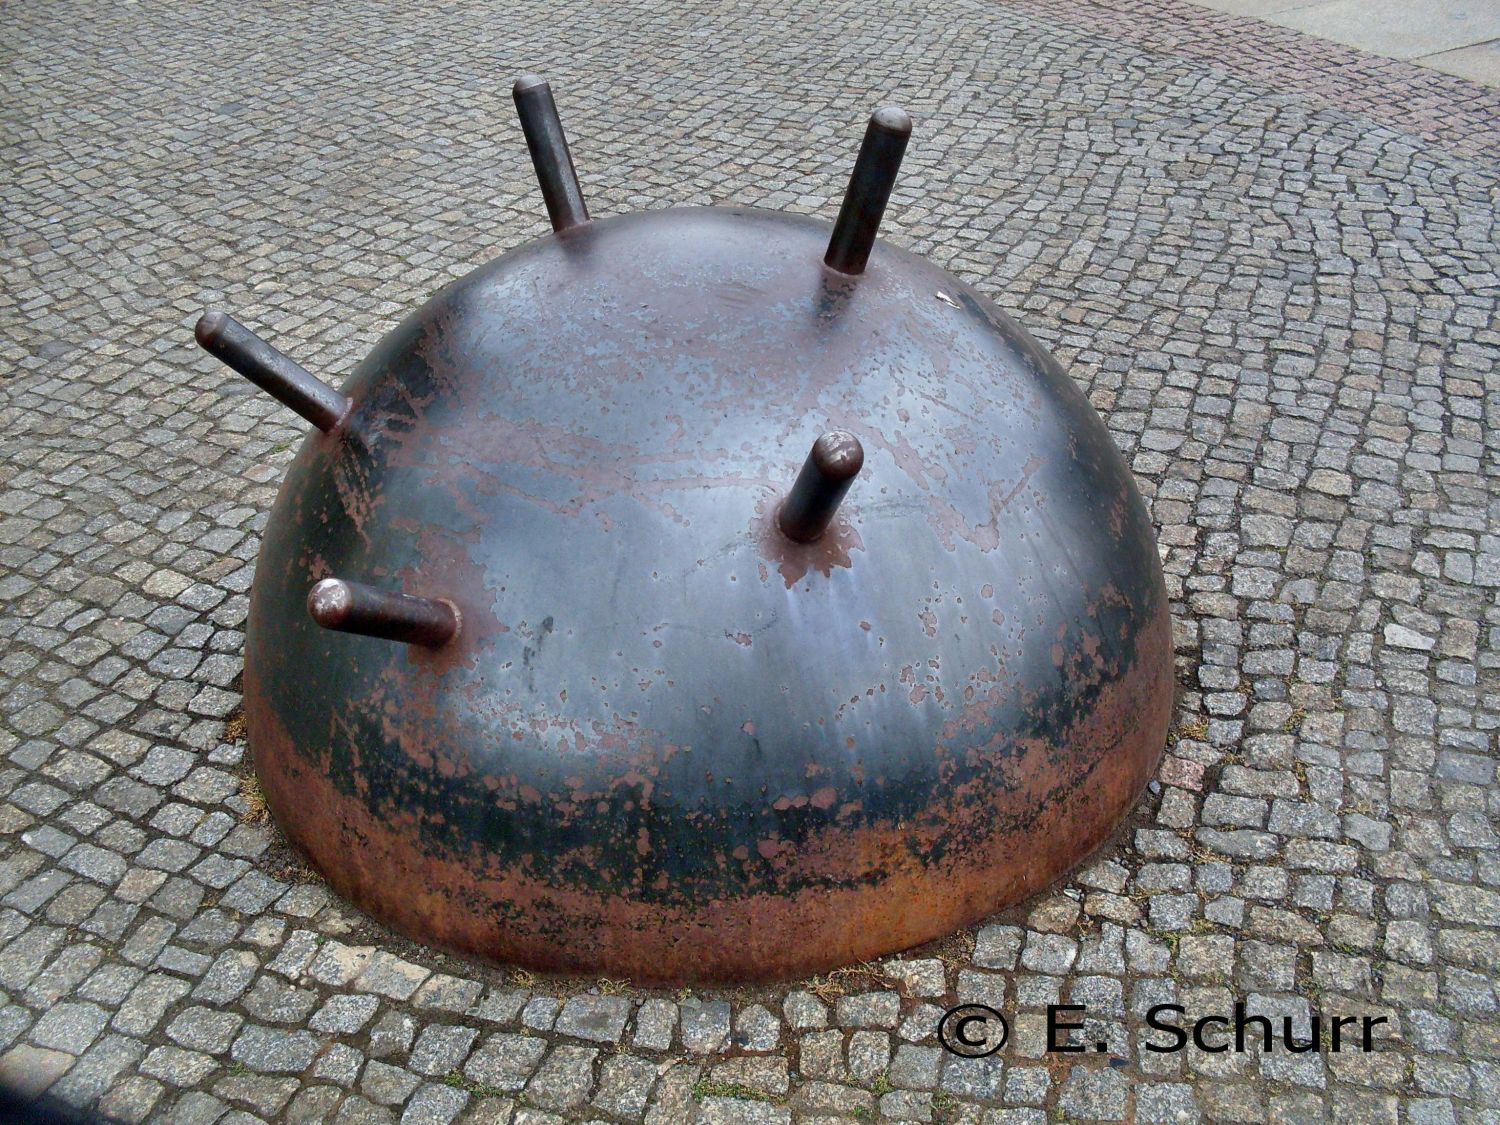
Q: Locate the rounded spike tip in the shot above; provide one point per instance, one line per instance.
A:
(351, 607)
(835, 460)
(869, 190)
(280, 376)
(550, 157)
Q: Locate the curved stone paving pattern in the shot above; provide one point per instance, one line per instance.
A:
(1271, 262)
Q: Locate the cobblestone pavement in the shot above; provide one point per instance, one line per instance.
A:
(1272, 263)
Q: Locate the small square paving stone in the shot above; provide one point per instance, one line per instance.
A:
(1027, 1085)
(869, 1054)
(655, 1024)
(737, 1111)
(1094, 1094)
(925, 977)
(540, 1012)
(359, 1110)
(344, 1015)
(274, 1050)
(228, 977)
(564, 1080)
(600, 1019)
(821, 1054)
(131, 1100)
(314, 1106)
(756, 1029)
(69, 1027)
(804, 1011)
(972, 1078)
(441, 1048)
(196, 1108)
(265, 1094)
(870, 1009)
(340, 1063)
(386, 1084)
(388, 975)
(499, 1006)
(178, 1067)
(448, 993)
(504, 1061)
(392, 1035)
(704, 1025)
(434, 1105)
(337, 964)
(625, 1084)
(147, 1003)
(274, 1001)
(996, 947)
(769, 1076)
(204, 1029)
(915, 1068)
(296, 954)
(906, 1105)
(99, 864)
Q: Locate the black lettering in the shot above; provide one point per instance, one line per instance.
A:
(1241, 1021)
(1338, 1026)
(1198, 1035)
(1370, 1022)
(1179, 1036)
(961, 1028)
(1053, 1027)
(1314, 1033)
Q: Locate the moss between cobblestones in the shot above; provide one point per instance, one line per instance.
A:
(704, 1088)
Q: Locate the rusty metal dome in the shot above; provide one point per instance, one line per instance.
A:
(564, 650)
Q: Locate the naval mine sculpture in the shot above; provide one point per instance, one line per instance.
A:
(702, 594)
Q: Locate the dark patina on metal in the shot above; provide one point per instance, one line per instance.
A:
(555, 656)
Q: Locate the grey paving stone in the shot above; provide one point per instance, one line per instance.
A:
(564, 1080)
(344, 1014)
(32, 1071)
(625, 1085)
(441, 1049)
(274, 1001)
(655, 1024)
(756, 1029)
(434, 1105)
(804, 1011)
(504, 1061)
(273, 1050)
(204, 1029)
(704, 1025)
(392, 1035)
(385, 1084)
(340, 1064)
(600, 1019)
(69, 1027)
(871, 1009)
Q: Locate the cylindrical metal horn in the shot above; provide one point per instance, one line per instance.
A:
(869, 190)
(278, 375)
(549, 152)
(351, 607)
(826, 475)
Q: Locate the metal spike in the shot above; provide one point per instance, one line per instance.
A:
(826, 475)
(352, 607)
(869, 190)
(278, 375)
(549, 152)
